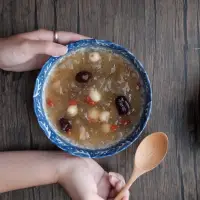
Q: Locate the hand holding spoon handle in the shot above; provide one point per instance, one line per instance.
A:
(149, 154)
(132, 179)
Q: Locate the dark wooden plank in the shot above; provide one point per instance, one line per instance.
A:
(67, 16)
(15, 131)
(169, 83)
(196, 107)
(5, 18)
(192, 62)
(164, 98)
(45, 14)
(97, 18)
(187, 74)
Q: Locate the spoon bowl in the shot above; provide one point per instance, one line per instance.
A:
(149, 155)
(151, 151)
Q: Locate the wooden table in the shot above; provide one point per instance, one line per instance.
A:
(163, 34)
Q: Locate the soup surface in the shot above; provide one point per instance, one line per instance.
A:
(94, 97)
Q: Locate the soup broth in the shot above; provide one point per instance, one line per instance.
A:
(94, 97)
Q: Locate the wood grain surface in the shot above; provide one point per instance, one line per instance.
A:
(162, 34)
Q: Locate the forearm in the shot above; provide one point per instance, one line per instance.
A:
(29, 168)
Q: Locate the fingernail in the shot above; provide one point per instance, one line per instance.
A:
(64, 50)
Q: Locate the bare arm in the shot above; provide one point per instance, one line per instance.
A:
(24, 169)
(29, 168)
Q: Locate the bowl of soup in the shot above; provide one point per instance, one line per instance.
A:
(95, 100)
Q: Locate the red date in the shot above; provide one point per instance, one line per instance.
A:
(122, 105)
(83, 76)
(65, 124)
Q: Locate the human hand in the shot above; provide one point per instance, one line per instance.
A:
(29, 51)
(84, 179)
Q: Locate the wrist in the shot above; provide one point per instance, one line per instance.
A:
(62, 166)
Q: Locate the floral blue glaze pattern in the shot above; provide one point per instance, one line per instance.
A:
(66, 145)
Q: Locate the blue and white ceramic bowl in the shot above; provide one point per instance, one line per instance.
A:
(64, 144)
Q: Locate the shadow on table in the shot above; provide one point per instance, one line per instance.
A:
(193, 116)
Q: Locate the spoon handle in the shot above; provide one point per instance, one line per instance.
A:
(132, 179)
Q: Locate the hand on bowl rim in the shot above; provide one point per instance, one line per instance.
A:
(29, 51)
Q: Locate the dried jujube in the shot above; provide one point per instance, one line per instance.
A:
(83, 76)
(122, 105)
(65, 124)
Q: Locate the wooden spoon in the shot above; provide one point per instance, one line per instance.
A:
(149, 154)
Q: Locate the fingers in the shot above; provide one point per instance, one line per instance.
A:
(44, 47)
(66, 37)
(117, 181)
(63, 37)
(40, 34)
(41, 41)
(116, 177)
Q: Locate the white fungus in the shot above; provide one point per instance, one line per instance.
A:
(105, 128)
(104, 116)
(57, 87)
(94, 95)
(83, 134)
(72, 110)
(93, 114)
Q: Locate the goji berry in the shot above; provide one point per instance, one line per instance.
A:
(125, 122)
(72, 102)
(113, 127)
(89, 101)
(49, 103)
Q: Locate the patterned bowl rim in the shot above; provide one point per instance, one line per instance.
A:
(66, 145)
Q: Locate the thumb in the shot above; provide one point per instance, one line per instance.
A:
(46, 47)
